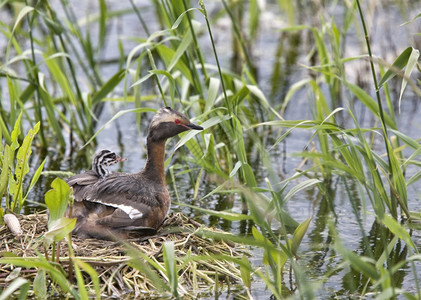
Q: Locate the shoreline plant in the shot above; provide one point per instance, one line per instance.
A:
(53, 70)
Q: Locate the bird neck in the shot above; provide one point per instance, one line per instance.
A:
(99, 169)
(154, 168)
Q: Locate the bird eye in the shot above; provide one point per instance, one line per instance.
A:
(177, 121)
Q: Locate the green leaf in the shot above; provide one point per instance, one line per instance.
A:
(108, 87)
(13, 275)
(171, 82)
(261, 239)
(207, 124)
(298, 236)
(397, 65)
(414, 178)
(245, 269)
(291, 92)
(92, 274)
(361, 264)
(7, 253)
(407, 139)
(102, 22)
(207, 158)
(143, 79)
(167, 54)
(61, 78)
(59, 229)
(35, 178)
(180, 18)
(17, 284)
(185, 43)
(5, 171)
(227, 215)
(4, 132)
(14, 137)
(397, 230)
(234, 170)
(254, 13)
(23, 12)
(50, 109)
(368, 101)
(22, 168)
(271, 253)
(57, 199)
(116, 116)
(40, 287)
(80, 283)
(413, 19)
(412, 61)
(299, 187)
(171, 267)
(40, 262)
(214, 84)
(146, 269)
(53, 26)
(247, 174)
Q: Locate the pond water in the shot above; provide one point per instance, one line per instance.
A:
(283, 53)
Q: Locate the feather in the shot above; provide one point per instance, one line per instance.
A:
(110, 204)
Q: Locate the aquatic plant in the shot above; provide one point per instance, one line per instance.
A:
(65, 83)
(14, 163)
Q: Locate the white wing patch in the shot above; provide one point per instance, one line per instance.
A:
(130, 210)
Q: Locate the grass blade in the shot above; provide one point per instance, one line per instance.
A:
(171, 267)
(397, 65)
(108, 86)
(18, 283)
(57, 199)
(116, 116)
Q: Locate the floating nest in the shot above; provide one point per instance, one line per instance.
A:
(200, 267)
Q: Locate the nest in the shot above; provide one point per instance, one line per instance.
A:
(117, 274)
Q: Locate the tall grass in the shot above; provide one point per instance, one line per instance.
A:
(61, 85)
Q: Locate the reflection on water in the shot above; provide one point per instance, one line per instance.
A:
(350, 230)
(279, 57)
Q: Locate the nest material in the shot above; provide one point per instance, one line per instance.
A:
(111, 261)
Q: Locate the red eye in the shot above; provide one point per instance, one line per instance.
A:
(177, 121)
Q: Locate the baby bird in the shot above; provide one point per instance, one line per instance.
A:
(105, 158)
(102, 159)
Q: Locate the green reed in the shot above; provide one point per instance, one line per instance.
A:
(58, 280)
(237, 118)
(50, 89)
(347, 150)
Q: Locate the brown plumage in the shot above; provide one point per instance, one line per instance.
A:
(122, 202)
(102, 159)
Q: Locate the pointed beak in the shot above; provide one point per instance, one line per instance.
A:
(194, 126)
(121, 159)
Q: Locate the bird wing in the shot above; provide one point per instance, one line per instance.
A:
(87, 178)
(119, 219)
(81, 183)
(133, 199)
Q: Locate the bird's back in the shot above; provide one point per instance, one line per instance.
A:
(81, 183)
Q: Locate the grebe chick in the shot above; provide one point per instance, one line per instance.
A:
(105, 158)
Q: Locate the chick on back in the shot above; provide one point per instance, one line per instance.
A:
(122, 202)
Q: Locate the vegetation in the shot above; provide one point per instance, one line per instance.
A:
(57, 81)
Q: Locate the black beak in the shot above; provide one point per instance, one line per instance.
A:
(194, 126)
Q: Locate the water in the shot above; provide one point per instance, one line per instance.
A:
(279, 58)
